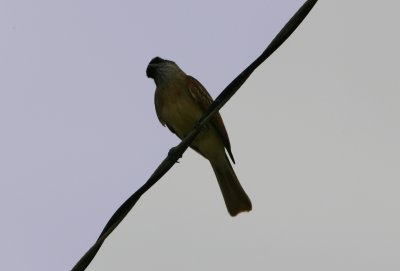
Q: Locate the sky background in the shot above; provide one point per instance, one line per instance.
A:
(315, 133)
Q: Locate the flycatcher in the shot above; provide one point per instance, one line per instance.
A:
(180, 101)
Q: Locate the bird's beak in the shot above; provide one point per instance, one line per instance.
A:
(150, 71)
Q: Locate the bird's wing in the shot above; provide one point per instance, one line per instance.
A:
(204, 100)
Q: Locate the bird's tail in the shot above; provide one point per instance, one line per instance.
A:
(235, 197)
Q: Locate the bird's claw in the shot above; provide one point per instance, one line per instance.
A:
(173, 155)
(197, 126)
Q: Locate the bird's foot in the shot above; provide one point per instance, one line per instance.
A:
(198, 127)
(173, 155)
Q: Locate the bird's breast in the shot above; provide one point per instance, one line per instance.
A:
(177, 109)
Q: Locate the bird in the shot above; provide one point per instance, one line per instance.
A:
(180, 101)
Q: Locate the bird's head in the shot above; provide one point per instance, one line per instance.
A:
(162, 70)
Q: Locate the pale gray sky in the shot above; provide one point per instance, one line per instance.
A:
(315, 132)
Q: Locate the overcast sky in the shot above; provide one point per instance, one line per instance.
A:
(315, 133)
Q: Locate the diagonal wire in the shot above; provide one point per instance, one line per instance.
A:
(177, 152)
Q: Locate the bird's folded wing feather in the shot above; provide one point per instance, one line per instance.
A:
(204, 100)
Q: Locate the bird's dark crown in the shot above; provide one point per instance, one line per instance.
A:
(157, 60)
(151, 68)
(155, 64)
